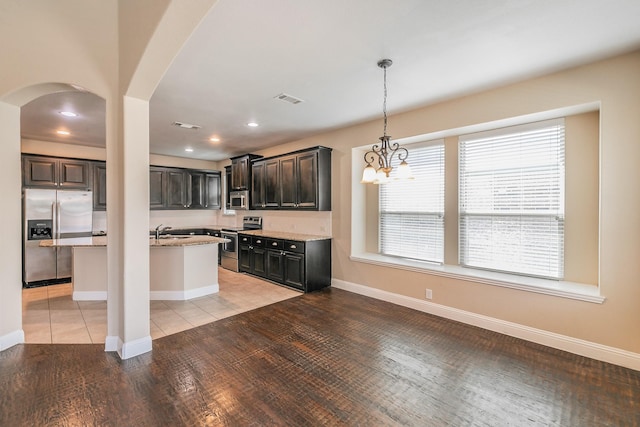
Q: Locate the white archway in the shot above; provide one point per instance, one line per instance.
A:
(120, 51)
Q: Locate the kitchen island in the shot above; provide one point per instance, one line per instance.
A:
(180, 267)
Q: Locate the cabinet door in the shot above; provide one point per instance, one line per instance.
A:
(176, 193)
(240, 173)
(259, 267)
(196, 181)
(99, 186)
(307, 180)
(244, 258)
(39, 172)
(212, 191)
(74, 174)
(272, 183)
(157, 183)
(288, 197)
(294, 270)
(257, 185)
(275, 265)
(227, 183)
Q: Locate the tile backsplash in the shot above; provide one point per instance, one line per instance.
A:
(317, 223)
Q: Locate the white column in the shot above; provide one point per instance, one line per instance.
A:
(128, 233)
(11, 332)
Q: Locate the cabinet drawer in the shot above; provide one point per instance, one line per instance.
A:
(258, 242)
(294, 246)
(244, 239)
(275, 244)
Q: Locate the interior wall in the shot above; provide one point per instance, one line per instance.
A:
(67, 41)
(613, 84)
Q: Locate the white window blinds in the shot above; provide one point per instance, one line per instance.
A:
(511, 199)
(412, 212)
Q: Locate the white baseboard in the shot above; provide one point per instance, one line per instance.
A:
(184, 295)
(111, 343)
(134, 348)
(89, 295)
(561, 342)
(11, 339)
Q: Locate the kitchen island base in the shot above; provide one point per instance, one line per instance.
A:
(176, 272)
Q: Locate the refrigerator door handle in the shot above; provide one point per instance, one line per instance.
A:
(57, 221)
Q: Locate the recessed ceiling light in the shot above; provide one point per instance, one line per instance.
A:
(252, 124)
(68, 114)
(63, 132)
(215, 139)
(189, 150)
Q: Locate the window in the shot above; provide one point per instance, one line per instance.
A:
(411, 213)
(511, 199)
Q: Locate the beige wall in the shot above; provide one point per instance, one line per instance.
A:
(613, 84)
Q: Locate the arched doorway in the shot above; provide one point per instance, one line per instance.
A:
(63, 133)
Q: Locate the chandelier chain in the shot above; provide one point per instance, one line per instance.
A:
(384, 102)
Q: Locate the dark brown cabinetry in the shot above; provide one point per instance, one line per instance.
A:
(54, 172)
(241, 171)
(252, 256)
(177, 189)
(99, 186)
(265, 184)
(227, 181)
(174, 188)
(294, 181)
(304, 265)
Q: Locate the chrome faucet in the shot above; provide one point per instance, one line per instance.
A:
(160, 229)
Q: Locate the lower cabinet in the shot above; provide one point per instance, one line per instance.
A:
(252, 256)
(304, 265)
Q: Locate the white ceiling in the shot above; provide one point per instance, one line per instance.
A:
(245, 52)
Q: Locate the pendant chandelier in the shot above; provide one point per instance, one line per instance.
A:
(385, 152)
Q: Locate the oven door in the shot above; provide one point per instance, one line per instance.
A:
(229, 251)
(230, 248)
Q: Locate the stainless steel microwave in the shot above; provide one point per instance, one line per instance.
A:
(239, 200)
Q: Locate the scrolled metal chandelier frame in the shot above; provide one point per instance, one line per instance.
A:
(385, 152)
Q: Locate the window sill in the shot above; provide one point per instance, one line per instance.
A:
(572, 290)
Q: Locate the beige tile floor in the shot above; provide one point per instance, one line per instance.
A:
(50, 316)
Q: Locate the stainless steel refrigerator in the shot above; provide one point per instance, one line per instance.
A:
(52, 214)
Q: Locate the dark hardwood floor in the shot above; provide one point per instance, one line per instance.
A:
(324, 358)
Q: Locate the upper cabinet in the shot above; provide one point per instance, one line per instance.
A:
(294, 181)
(265, 184)
(241, 171)
(58, 173)
(204, 190)
(175, 188)
(157, 185)
(227, 186)
(99, 186)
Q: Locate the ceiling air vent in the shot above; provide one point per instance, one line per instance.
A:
(186, 125)
(288, 98)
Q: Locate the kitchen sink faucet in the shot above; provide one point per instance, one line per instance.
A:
(160, 229)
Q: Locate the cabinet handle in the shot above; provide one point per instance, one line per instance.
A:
(282, 253)
(258, 241)
(250, 247)
(293, 246)
(274, 244)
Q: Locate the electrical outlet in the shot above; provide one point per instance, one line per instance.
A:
(428, 294)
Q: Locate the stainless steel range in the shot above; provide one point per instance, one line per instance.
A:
(229, 257)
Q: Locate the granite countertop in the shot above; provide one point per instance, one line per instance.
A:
(98, 241)
(285, 235)
(193, 227)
